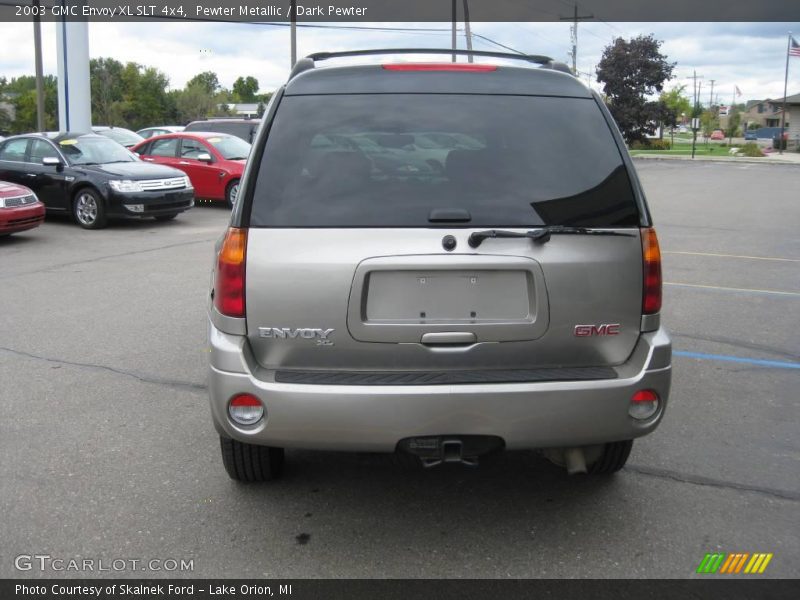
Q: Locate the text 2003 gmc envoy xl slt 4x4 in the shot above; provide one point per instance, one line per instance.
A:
(437, 260)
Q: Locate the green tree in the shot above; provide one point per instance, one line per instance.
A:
(21, 92)
(150, 104)
(193, 103)
(709, 121)
(734, 120)
(630, 71)
(245, 89)
(105, 79)
(675, 104)
(208, 81)
(5, 120)
(129, 95)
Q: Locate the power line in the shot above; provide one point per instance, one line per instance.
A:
(496, 43)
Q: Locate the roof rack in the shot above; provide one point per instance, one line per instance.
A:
(304, 64)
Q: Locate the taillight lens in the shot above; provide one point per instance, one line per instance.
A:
(246, 409)
(651, 259)
(644, 404)
(229, 281)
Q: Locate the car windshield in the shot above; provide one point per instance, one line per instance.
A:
(231, 148)
(123, 136)
(388, 160)
(88, 150)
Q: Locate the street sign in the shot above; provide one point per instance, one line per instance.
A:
(696, 123)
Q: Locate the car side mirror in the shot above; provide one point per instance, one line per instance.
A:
(205, 157)
(52, 161)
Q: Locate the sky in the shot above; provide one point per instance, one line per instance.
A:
(748, 55)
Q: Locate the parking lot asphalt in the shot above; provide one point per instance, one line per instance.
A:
(108, 451)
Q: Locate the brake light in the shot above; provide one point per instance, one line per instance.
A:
(651, 283)
(229, 280)
(439, 67)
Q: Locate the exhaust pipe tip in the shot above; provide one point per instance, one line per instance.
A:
(575, 461)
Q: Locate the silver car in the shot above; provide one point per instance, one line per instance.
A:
(507, 300)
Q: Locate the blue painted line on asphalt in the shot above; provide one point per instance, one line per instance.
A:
(777, 364)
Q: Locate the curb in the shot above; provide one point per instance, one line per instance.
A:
(720, 159)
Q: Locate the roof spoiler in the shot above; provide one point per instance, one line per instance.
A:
(304, 64)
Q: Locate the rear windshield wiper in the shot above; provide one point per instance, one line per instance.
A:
(539, 235)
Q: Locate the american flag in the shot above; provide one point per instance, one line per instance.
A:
(794, 47)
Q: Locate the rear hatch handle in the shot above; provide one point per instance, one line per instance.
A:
(448, 338)
(539, 235)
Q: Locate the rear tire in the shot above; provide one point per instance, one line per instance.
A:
(251, 463)
(613, 458)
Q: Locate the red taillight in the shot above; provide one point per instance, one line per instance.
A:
(229, 280)
(651, 259)
(645, 396)
(644, 404)
(439, 67)
(246, 409)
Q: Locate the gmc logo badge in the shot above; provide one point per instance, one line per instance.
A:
(590, 330)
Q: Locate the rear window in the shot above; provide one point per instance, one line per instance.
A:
(388, 160)
(241, 130)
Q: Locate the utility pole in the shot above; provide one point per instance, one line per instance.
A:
(293, 33)
(37, 50)
(467, 31)
(454, 41)
(785, 87)
(575, 18)
(711, 97)
(695, 97)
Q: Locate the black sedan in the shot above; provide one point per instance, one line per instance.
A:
(93, 178)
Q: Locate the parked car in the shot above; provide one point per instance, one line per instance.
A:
(93, 178)
(717, 134)
(149, 132)
(214, 162)
(770, 133)
(750, 135)
(241, 128)
(511, 301)
(20, 209)
(122, 136)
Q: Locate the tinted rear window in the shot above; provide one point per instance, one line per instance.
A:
(387, 160)
(240, 130)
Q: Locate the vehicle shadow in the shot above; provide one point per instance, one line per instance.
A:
(15, 240)
(345, 498)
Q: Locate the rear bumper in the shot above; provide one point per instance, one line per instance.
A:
(21, 218)
(376, 418)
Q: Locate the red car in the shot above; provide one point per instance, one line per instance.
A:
(718, 134)
(213, 161)
(20, 209)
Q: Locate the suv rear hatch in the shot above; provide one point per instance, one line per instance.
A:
(347, 266)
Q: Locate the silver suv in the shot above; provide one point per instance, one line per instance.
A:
(438, 261)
